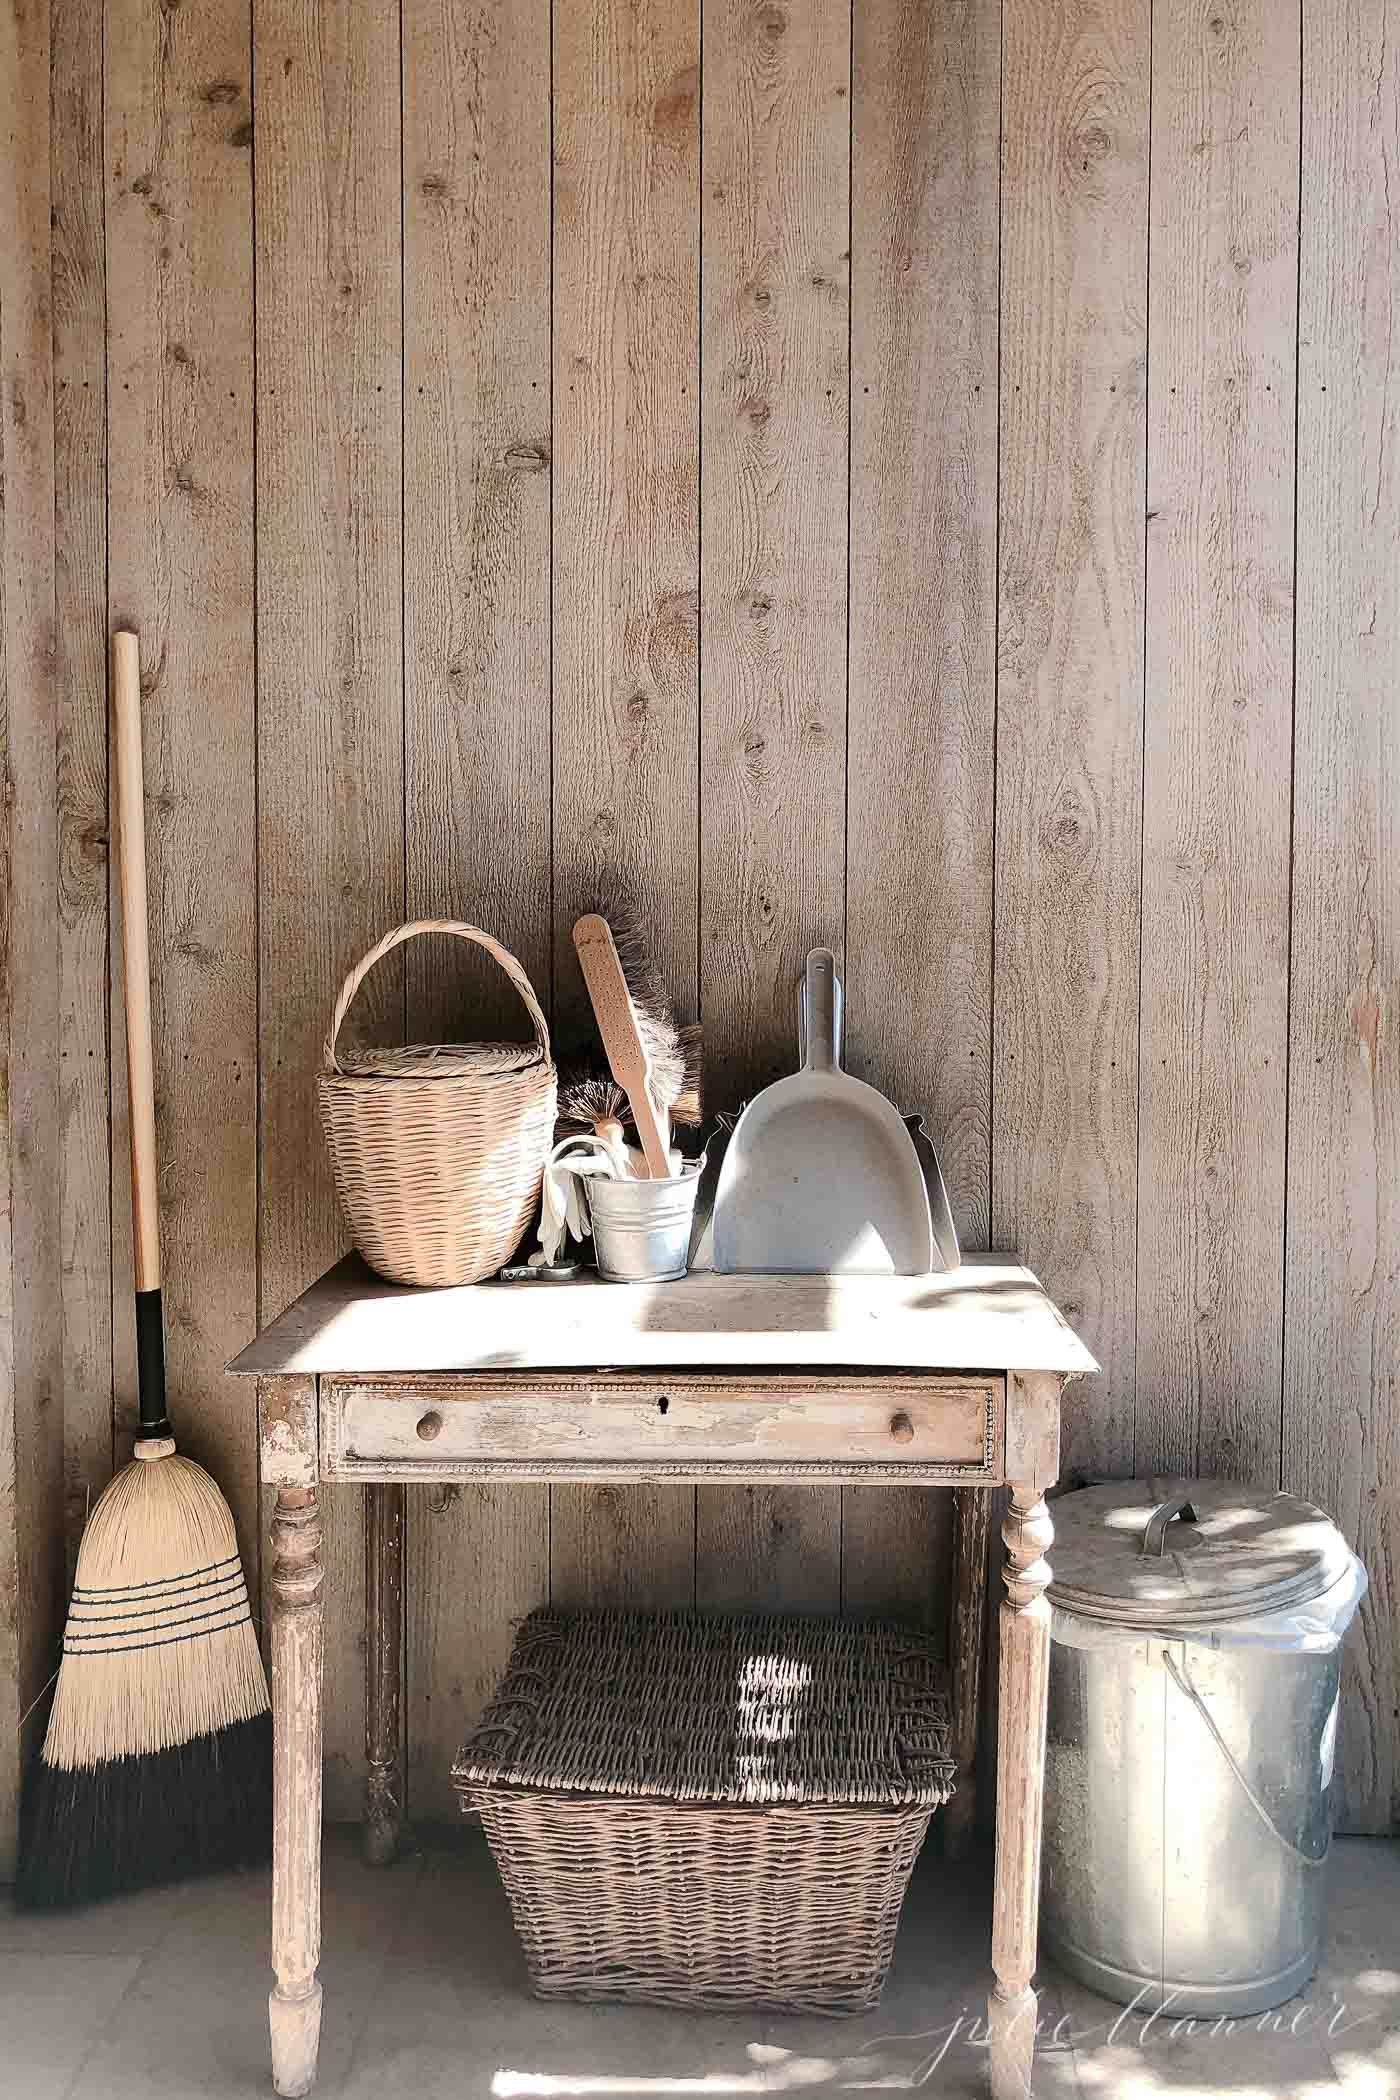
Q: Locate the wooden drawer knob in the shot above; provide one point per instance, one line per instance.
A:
(901, 1428)
(430, 1425)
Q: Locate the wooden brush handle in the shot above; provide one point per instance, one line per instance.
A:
(136, 960)
(617, 1025)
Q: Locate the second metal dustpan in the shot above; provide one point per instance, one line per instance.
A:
(821, 1176)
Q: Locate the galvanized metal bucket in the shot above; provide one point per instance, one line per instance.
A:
(1196, 1648)
(641, 1229)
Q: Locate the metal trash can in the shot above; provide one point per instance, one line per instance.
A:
(1196, 1637)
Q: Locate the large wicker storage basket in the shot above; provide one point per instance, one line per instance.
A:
(709, 1812)
(438, 1150)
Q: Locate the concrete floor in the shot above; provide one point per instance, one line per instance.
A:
(162, 1996)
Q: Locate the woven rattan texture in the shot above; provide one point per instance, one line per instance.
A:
(795, 1909)
(438, 1151)
(688, 1707)
(709, 1812)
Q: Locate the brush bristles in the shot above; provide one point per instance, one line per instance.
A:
(199, 1808)
(587, 1101)
(160, 1647)
(688, 1106)
(656, 1020)
(158, 1758)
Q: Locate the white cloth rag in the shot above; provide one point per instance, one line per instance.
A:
(563, 1210)
(564, 1205)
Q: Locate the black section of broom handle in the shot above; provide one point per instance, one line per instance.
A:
(150, 1364)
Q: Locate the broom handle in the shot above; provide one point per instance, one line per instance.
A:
(140, 1072)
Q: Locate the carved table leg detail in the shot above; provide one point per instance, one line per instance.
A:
(294, 2007)
(1024, 1684)
(384, 1521)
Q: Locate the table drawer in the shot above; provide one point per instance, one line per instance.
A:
(913, 1428)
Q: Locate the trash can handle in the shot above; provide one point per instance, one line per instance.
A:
(1181, 1678)
(1154, 1538)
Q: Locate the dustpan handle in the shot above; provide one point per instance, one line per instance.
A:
(821, 1011)
(840, 1001)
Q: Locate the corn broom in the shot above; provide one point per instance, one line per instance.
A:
(157, 1762)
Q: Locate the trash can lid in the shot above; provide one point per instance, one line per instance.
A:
(1173, 1552)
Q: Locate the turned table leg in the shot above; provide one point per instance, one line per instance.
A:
(1032, 1463)
(972, 1518)
(1024, 1684)
(294, 2008)
(384, 1515)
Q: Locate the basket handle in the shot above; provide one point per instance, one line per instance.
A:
(462, 932)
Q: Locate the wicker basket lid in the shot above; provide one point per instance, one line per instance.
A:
(437, 1060)
(685, 1707)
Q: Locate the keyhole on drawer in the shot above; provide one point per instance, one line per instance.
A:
(663, 1404)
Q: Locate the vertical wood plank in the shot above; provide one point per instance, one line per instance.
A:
(1341, 1404)
(768, 1549)
(775, 460)
(773, 558)
(626, 571)
(1213, 1059)
(923, 572)
(478, 1561)
(896, 1554)
(330, 651)
(477, 443)
(967, 1641)
(1069, 695)
(626, 1547)
(924, 246)
(180, 570)
(31, 1393)
(80, 640)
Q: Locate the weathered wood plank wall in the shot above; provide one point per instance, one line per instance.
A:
(477, 443)
(625, 562)
(913, 476)
(31, 1106)
(1341, 1336)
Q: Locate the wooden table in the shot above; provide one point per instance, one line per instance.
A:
(937, 1381)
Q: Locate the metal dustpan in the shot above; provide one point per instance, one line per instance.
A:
(821, 1176)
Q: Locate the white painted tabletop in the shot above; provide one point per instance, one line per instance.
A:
(988, 1315)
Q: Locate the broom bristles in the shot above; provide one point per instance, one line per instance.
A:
(160, 1645)
(134, 1822)
(157, 1762)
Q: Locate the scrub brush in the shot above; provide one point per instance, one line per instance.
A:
(592, 1105)
(591, 1102)
(589, 1097)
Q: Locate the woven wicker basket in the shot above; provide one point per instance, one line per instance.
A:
(709, 1812)
(438, 1150)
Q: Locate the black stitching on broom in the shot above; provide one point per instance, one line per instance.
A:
(94, 1615)
(162, 1582)
(175, 1641)
(129, 1647)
